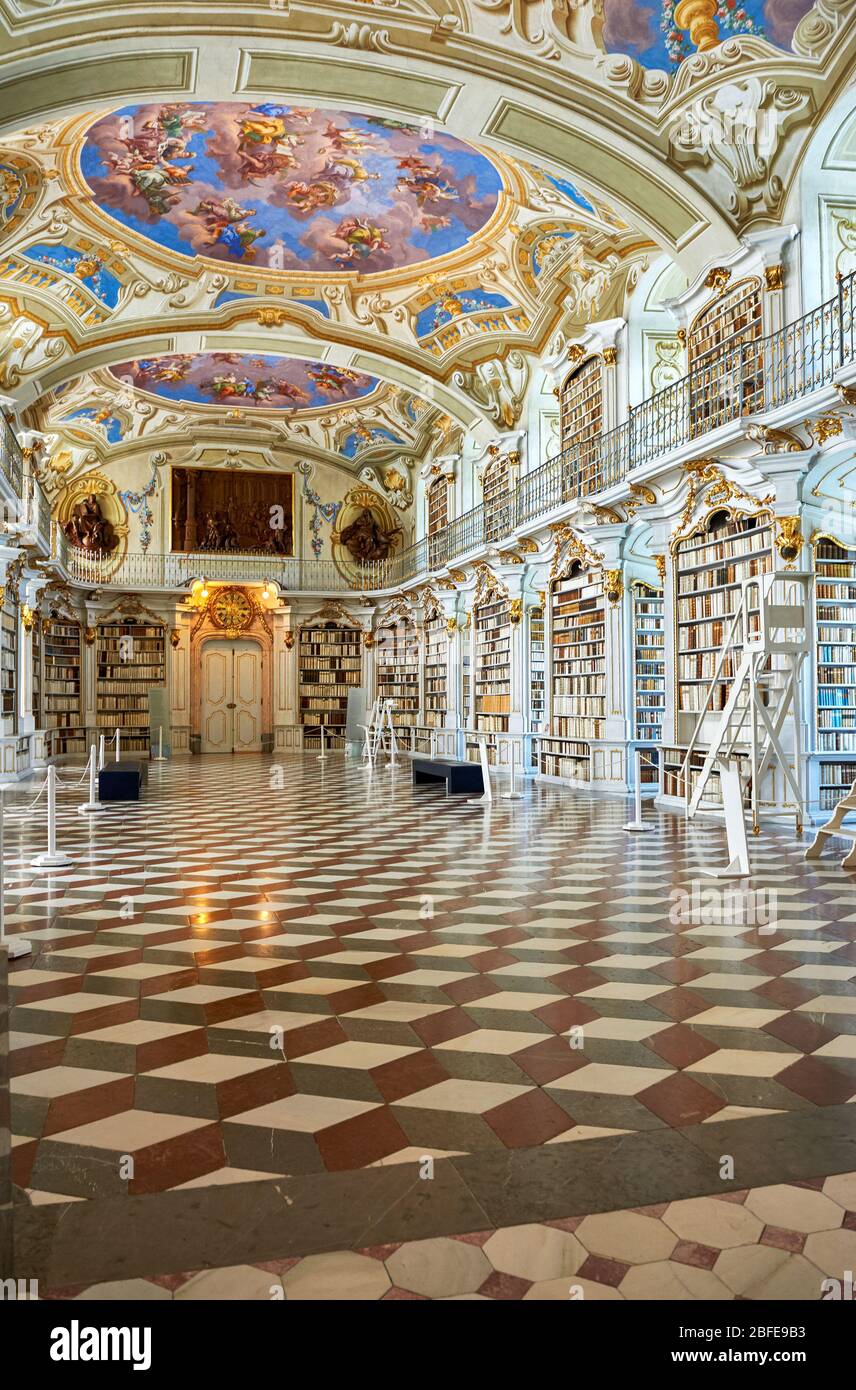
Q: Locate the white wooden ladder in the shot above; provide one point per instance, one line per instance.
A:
(768, 640)
(834, 827)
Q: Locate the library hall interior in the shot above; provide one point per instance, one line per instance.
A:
(428, 651)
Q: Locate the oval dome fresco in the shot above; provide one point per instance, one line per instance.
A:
(291, 188)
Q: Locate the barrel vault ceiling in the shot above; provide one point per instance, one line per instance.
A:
(354, 229)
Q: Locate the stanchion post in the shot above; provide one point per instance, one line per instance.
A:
(322, 756)
(637, 823)
(102, 756)
(511, 794)
(433, 743)
(118, 742)
(53, 858)
(93, 806)
(16, 946)
(159, 757)
(485, 769)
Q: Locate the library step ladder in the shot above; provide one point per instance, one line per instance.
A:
(846, 806)
(766, 645)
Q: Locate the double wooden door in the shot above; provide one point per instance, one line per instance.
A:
(231, 705)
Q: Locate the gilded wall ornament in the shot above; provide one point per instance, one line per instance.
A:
(789, 539)
(270, 317)
(775, 441)
(613, 587)
(774, 277)
(175, 637)
(660, 562)
(717, 278)
(515, 610)
(825, 427)
(288, 639)
(610, 356)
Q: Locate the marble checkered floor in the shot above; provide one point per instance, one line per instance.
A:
(280, 970)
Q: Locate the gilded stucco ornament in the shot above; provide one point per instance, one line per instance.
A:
(789, 539)
(775, 441)
(613, 587)
(825, 427)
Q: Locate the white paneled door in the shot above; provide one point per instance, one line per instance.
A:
(231, 717)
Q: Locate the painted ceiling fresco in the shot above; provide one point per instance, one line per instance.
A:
(646, 29)
(244, 379)
(287, 187)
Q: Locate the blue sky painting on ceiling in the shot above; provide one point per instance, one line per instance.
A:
(244, 379)
(109, 425)
(88, 269)
(443, 311)
(646, 30)
(291, 188)
(363, 437)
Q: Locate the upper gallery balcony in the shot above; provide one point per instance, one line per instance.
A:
(726, 388)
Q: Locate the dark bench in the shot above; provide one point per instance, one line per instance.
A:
(121, 781)
(459, 777)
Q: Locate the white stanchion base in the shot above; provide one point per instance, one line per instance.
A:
(638, 825)
(732, 870)
(479, 800)
(51, 861)
(158, 759)
(17, 947)
(512, 796)
(91, 808)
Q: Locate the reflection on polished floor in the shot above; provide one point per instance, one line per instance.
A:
(281, 993)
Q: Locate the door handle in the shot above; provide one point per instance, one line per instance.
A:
(231, 705)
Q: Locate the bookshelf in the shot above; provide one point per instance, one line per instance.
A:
(130, 659)
(732, 320)
(36, 669)
(835, 666)
(710, 565)
(581, 410)
(436, 671)
(330, 664)
(9, 662)
(438, 505)
(397, 668)
(492, 666)
(566, 758)
(578, 693)
(487, 685)
(649, 671)
(466, 682)
(61, 666)
(496, 481)
(537, 675)
(578, 655)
